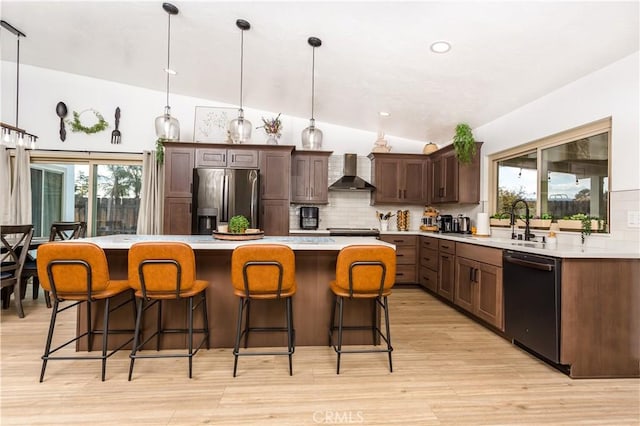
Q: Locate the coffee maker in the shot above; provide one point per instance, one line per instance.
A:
(309, 217)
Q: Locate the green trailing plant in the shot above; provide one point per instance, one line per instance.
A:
(77, 126)
(238, 224)
(546, 216)
(160, 150)
(464, 144)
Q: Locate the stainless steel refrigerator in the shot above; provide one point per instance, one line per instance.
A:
(219, 194)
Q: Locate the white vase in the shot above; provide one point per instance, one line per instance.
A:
(272, 139)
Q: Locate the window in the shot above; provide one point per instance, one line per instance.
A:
(561, 176)
(102, 190)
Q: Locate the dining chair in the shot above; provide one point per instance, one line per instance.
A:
(15, 238)
(59, 231)
(363, 272)
(263, 272)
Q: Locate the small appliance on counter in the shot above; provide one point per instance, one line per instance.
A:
(309, 217)
(429, 219)
(445, 223)
(464, 224)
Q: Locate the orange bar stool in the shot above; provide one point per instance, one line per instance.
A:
(263, 272)
(160, 271)
(363, 272)
(78, 272)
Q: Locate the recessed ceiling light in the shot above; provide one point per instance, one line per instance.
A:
(440, 46)
(170, 71)
(384, 114)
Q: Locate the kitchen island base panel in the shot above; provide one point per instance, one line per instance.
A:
(311, 305)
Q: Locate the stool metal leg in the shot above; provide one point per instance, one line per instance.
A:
(136, 336)
(340, 300)
(236, 347)
(386, 321)
(105, 336)
(290, 334)
(47, 347)
(190, 335)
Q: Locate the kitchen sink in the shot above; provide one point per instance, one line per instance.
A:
(532, 244)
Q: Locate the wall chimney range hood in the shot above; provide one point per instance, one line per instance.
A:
(350, 181)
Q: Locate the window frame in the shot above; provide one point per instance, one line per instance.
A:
(557, 139)
(91, 159)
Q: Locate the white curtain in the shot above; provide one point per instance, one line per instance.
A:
(5, 186)
(20, 206)
(151, 196)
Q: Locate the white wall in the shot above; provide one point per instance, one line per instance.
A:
(41, 89)
(612, 91)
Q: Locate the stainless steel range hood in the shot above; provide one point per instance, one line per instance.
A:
(350, 181)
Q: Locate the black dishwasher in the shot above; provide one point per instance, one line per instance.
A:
(532, 302)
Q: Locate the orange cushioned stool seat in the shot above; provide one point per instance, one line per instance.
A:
(363, 272)
(78, 272)
(263, 272)
(161, 271)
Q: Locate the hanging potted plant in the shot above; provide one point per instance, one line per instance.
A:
(464, 144)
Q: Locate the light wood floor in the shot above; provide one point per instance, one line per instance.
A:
(448, 370)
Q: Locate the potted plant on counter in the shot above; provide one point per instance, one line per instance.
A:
(537, 222)
(580, 221)
(238, 224)
(500, 219)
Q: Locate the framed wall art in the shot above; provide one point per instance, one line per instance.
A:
(210, 123)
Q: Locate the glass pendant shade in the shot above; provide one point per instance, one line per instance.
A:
(240, 129)
(167, 127)
(312, 137)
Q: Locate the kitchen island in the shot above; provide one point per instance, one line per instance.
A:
(315, 267)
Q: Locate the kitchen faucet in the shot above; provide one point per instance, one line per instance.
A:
(527, 231)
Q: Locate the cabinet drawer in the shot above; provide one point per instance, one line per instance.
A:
(242, 158)
(429, 259)
(209, 157)
(406, 274)
(428, 279)
(400, 240)
(405, 255)
(233, 158)
(488, 255)
(447, 246)
(429, 243)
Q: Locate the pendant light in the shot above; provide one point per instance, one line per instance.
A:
(240, 128)
(312, 137)
(168, 127)
(14, 135)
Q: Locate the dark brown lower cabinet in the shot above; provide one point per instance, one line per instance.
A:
(177, 216)
(478, 282)
(406, 259)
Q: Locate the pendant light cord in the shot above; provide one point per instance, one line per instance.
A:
(168, 56)
(241, 63)
(17, 79)
(313, 79)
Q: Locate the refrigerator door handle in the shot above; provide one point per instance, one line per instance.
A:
(254, 199)
(225, 198)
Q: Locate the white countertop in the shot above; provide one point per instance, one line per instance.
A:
(500, 240)
(204, 242)
(624, 250)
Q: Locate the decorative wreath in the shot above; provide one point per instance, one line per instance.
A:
(76, 125)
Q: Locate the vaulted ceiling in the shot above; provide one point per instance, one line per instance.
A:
(375, 56)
